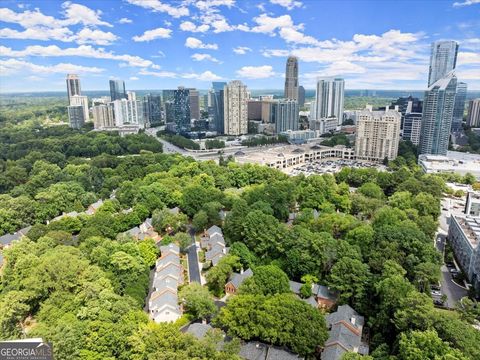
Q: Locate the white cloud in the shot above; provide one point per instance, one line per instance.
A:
(189, 26)
(275, 53)
(256, 72)
(161, 74)
(194, 43)
(292, 35)
(81, 51)
(205, 76)
(158, 33)
(241, 50)
(158, 6)
(206, 5)
(267, 24)
(38, 33)
(466, 3)
(289, 4)
(98, 37)
(133, 78)
(125, 21)
(14, 66)
(469, 58)
(201, 57)
(80, 14)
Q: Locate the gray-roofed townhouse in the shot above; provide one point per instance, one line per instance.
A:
(236, 280)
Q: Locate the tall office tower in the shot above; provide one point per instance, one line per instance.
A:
(181, 110)
(78, 100)
(254, 109)
(301, 96)
(291, 78)
(194, 98)
(459, 107)
(377, 134)
(127, 112)
(473, 117)
(284, 114)
(443, 59)
(205, 102)
(102, 117)
(167, 98)
(73, 86)
(329, 99)
(412, 125)
(76, 116)
(218, 106)
(235, 108)
(117, 90)
(408, 104)
(152, 109)
(438, 104)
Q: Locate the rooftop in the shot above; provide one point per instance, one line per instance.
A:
(471, 228)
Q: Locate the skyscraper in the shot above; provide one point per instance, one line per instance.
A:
(378, 134)
(102, 116)
(73, 86)
(127, 112)
(235, 108)
(291, 78)
(329, 99)
(443, 59)
(152, 109)
(76, 116)
(181, 110)
(412, 126)
(284, 114)
(194, 98)
(473, 117)
(167, 97)
(79, 100)
(438, 105)
(459, 107)
(117, 90)
(217, 98)
(301, 96)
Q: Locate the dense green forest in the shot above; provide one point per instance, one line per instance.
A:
(79, 284)
(32, 110)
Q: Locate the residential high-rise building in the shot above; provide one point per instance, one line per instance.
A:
(79, 100)
(117, 90)
(217, 98)
(412, 125)
(329, 98)
(443, 59)
(167, 97)
(194, 98)
(459, 107)
(76, 116)
(377, 134)
(291, 78)
(473, 117)
(102, 117)
(131, 95)
(127, 112)
(284, 115)
(73, 86)
(181, 110)
(301, 96)
(438, 105)
(255, 109)
(235, 108)
(152, 109)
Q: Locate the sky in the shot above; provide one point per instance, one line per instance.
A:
(162, 44)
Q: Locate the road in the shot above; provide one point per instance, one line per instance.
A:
(193, 265)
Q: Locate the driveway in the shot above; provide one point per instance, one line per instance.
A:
(453, 291)
(193, 265)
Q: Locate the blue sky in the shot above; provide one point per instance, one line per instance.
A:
(159, 44)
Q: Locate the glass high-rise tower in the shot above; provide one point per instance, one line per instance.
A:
(443, 59)
(438, 105)
(117, 90)
(329, 99)
(73, 86)
(217, 106)
(181, 110)
(459, 108)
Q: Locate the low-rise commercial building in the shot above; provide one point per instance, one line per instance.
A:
(464, 237)
(454, 162)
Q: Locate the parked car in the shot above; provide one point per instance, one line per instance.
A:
(450, 264)
(438, 302)
(435, 287)
(454, 271)
(436, 293)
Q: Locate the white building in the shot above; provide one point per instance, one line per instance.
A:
(454, 162)
(473, 117)
(127, 112)
(236, 108)
(329, 99)
(464, 237)
(323, 126)
(102, 117)
(377, 134)
(472, 204)
(79, 100)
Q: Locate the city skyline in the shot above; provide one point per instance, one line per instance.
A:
(164, 44)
